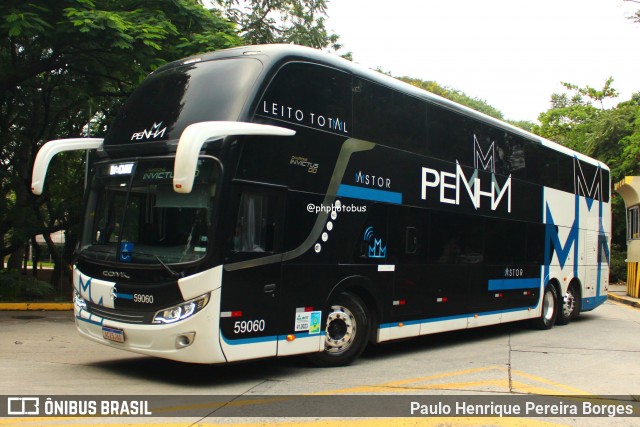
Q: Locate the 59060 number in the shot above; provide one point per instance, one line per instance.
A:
(143, 298)
(245, 326)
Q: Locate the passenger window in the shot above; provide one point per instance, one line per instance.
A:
(456, 239)
(258, 224)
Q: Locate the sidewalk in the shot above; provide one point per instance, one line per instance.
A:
(618, 293)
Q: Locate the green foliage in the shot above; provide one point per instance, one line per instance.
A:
(628, 162)
(594, 94)
(70, 63)
(18, 287)
(66, 66)
(574, 122)
(618, 264)
(455, 95)
(612, 136)
(523, 124)
(299, 22)
(463, 99)
(619, 225)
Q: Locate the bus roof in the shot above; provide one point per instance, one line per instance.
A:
(273, 55)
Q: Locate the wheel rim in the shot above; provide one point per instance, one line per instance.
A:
(548, 306)
(569, 302)
(340, 330)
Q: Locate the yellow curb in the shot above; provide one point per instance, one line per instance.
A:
(29, 306)
(625, 300)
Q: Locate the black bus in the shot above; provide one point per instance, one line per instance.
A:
(276, 200)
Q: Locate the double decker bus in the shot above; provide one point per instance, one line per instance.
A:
(275, 200)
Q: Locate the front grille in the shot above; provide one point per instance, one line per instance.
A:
(121, 316)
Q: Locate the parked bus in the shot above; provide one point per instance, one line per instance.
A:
(275, 200)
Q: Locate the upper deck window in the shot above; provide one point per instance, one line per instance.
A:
(310, 95)
(389, 117)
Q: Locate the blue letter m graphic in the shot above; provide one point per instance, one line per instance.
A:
(84, 287)
(553, 243)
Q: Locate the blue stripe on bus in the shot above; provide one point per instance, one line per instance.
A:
(300, 335)
(413, 322)
(269, 338)
(124, 296)
(455, 317)
(405, 323)
(590, 303)
(510, 284)
(249, 340)
(369, 194)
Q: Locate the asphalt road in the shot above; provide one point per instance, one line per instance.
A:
(598, 354)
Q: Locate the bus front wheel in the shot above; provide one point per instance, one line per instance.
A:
(346, 331)
(549, 309)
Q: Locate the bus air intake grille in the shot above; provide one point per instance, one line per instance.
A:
(120, 316)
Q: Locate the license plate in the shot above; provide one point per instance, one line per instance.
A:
(112, 334)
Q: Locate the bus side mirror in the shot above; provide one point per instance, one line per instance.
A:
(195, 135)
(50, 149)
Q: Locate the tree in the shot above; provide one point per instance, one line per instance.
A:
(67, 66)
(281, 21)
(594, 94)
(67, 63)
(572, 115)
(455, 95)
(636, 16)
(628, 132)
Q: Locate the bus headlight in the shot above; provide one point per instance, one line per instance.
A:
(181, 311)
(78, 300)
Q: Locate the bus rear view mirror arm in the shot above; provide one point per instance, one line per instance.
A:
(52, 148)
(193, 138)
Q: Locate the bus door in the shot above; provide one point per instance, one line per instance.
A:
(457, 284)
(252, 275)
(430, 287)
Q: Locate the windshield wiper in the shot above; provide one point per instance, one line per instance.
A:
(174, 274)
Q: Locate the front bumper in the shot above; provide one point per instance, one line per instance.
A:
(161, 340)
(201, 330)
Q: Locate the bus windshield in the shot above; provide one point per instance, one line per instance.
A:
(134, 216)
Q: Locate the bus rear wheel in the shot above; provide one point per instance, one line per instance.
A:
(346, 332)
(570, 306)
(549, 309)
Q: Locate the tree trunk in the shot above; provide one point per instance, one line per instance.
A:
(57, 274)
(27, 255)
(15, 259)
(35, 257)
(2, 256)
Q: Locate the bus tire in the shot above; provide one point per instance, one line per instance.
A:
(568, 309)
(549, 309)
(346, 331)
(577, 308)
